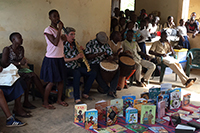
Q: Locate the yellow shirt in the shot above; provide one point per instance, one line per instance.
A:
(134, 48)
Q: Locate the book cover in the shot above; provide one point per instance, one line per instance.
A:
(131, 115)
(127, 102)
(161, 121)
(153, 93)
(136, 128)
(115, 129)
(101, 108)
(175, 99)
(158, 129)
(138, 104)
(101, 130)
(91, 119)
(163, 97)
(161, 109)
(148, 114)
(119, 104)
(111, 115)
(186, 103)
(79, 111)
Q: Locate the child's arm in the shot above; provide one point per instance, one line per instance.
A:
(55, 40)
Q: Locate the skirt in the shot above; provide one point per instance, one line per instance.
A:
(185, 44)
(14, 91)
(52, 70)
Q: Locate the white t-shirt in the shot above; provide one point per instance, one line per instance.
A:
(145, 33)
(182, 30)
(153, 29)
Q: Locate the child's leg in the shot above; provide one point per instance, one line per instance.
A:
(38, 83)
(60, 91)
(4, 105)
(47, 92)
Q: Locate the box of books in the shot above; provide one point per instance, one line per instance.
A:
(131, 115)
(79, 113)
(91, 119)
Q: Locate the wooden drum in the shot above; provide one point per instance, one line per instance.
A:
(126, 64)
(108, 70)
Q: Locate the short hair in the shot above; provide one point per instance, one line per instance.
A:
(129, 31)
(69, 29)
(169, 17)
(113, 34)
(12, 35)
(163, 32)
(52, 11)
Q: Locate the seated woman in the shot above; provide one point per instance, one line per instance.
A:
(15, 54)
(170, 23)
(7, 94)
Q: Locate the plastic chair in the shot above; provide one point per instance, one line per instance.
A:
(163, 67)
(193, 60)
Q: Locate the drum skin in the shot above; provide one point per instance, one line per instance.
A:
(126, 69)
(107, 74)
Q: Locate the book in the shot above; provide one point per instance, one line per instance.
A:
(186, 103)
(161, 121)
(153, 93)
(79, 113)
(115, 129)
(111, 115)
(175, 99)
(119, 104)
(136, 128)
(148, 114)
(185, 117)
(184, 129)
(101, 130)
(131, 115)
(127, 102)
(161, 109)
(91, 119)
(158, 129)
(101, 108)
(163, 97)
(183, 112)
(138, 103)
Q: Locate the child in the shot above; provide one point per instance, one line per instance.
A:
(170, 23)
(145, 33)
(52, 70)
(182, 32)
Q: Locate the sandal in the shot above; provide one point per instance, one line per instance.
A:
(63, 103)
(49, 106)
(78, 101)
(87, 97)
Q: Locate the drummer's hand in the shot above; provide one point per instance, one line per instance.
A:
(119, 50)
(79, 56)
(110, 58)
(128, 52)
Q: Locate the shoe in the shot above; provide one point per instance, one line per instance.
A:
(111, 94)
(194, 79)
(119, 89)
(189, 83)
(12, 122)
(139, 84)
(143, 82)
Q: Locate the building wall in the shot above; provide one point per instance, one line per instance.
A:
(30, 18)
(166, 7)
(194, 7)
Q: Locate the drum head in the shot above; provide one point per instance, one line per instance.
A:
(109, 66)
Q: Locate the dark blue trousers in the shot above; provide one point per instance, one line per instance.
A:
(77, 74)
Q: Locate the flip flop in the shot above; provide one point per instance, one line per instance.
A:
(49, 106)
(63, 103)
